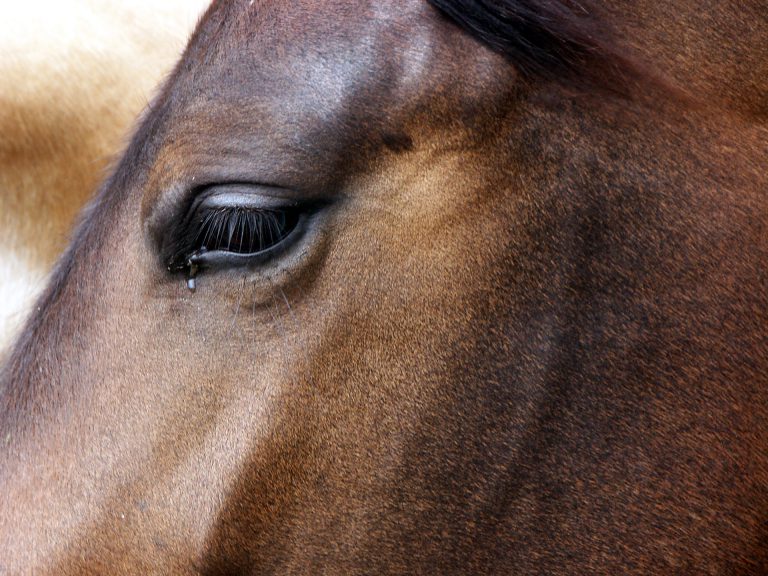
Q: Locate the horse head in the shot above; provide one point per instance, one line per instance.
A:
(405, 288)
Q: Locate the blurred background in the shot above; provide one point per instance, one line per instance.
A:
(74, 76)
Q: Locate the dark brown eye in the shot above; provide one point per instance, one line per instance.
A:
(233, 227)
(242, 230)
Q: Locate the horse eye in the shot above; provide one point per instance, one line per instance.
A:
(226, 230)
(241, 230)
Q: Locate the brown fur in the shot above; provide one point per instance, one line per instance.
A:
(527, 336)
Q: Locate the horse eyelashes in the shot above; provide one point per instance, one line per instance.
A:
(242, 230)
(233, 230)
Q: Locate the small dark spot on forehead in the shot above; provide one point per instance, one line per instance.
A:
(398, 142)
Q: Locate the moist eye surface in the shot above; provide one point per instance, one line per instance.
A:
(241, 230)
(232, 228)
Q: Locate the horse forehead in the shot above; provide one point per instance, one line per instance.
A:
(281, 78)
(270, 24)
(331, 56)
(307, 15)
(308, 54)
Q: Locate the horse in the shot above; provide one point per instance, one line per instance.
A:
(413, 287)
(75, 75)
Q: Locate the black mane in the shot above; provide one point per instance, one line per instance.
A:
(555, 39)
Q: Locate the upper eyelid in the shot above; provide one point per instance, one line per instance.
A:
(252, 195)
(189, 198)
(232, 197)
